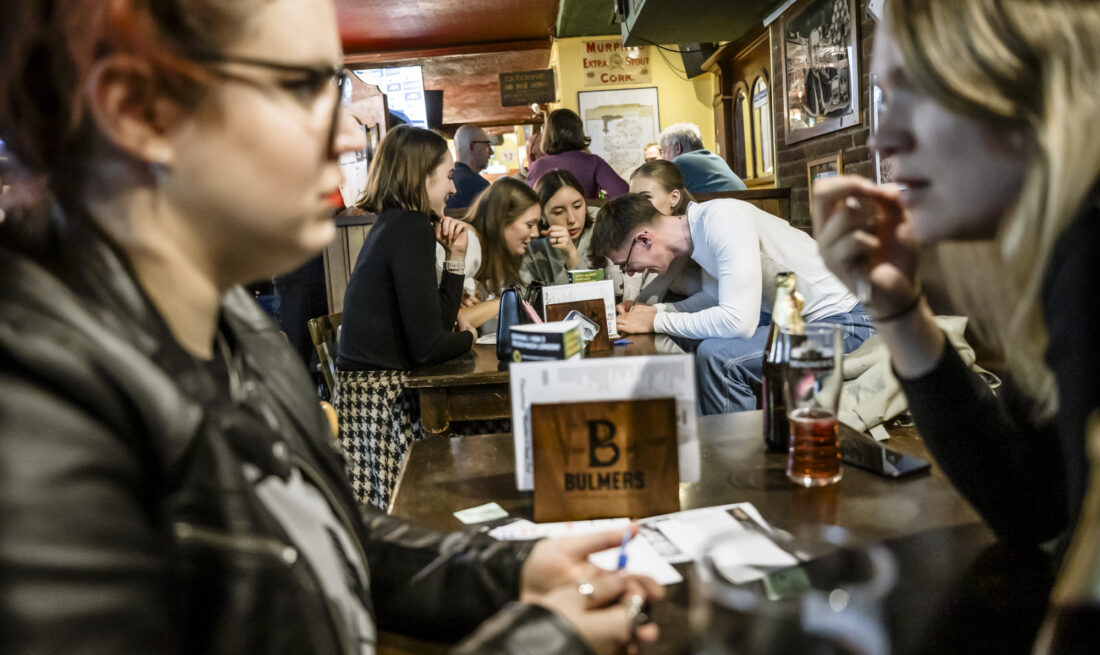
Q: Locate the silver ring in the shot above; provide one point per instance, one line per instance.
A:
(586, 589)
(634, 611)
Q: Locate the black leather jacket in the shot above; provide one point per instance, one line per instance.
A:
(126, 524)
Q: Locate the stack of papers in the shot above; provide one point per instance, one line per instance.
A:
(672, 539)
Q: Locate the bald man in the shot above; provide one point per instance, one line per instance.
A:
(472, 152)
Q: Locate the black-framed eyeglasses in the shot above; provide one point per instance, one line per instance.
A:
(624, 268)
(305, 82)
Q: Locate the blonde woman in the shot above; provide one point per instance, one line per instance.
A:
(984, 106)
(661, 182)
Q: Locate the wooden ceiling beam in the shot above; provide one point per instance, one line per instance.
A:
(446, 51)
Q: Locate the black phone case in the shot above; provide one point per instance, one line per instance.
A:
(865, 453)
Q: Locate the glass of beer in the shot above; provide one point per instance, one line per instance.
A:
(811, 390)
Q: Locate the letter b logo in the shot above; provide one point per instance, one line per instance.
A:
(602, 450)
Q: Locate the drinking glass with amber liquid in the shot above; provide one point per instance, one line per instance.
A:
(811, 391)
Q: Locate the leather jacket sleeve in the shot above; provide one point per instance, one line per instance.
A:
(522, 628)
(79, 553)
(440, 586)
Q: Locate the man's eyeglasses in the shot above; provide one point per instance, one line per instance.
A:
(305, 83)
(488, 143)
(624, 268)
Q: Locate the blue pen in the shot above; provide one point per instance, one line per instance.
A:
(621, 342)
(622, 549)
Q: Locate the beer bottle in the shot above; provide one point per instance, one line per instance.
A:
(1072, 623)
(787, 312)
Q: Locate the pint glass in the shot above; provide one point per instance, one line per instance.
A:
(811, 390)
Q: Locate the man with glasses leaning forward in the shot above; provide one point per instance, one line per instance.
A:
(740, 249)
(472, 152)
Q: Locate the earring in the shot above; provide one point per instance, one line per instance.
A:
(158, 170)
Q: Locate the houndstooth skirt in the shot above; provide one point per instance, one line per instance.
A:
(379, 418)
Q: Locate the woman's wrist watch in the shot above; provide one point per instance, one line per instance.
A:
(452, 266)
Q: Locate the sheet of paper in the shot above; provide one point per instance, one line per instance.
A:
(481, 513)
(604, 289)
(641, 559)
(753, 558)
(604, 378)
(686, 533)
(523, 529)
(490, 338)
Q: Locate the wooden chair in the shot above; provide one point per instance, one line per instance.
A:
(323, 331)
(330, 414)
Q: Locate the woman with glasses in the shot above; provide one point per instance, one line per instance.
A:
(984, 103)
(565, 145)
(167, 484)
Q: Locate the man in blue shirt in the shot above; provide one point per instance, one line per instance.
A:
(472, 152)
(703, 171)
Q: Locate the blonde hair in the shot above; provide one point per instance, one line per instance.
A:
(399, 173)
(492, 212)
(1033, 66)
(670, 178)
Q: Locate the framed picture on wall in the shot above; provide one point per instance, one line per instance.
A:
(819, 169)
(820, 62)
(620, 123)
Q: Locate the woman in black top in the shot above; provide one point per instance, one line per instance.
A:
(983, 108)
(396, 317)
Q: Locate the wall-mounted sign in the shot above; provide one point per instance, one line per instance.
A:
(522, 88)
(607, 63)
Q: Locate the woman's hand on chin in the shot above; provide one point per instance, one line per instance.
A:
(451, 234)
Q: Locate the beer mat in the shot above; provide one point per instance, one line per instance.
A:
(481, 513)
(641, 557)
(489, 339)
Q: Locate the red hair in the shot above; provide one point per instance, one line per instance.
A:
(48, 48)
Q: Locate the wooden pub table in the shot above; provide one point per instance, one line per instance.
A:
(957, 591)
(475, 385)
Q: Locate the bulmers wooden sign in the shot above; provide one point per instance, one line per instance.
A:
(605, 459)
(521, 88)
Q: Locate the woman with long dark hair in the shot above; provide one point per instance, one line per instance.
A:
(564, 245)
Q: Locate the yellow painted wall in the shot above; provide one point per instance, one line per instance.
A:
(679, 100)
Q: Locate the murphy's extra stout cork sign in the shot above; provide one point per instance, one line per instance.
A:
(605, 459)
